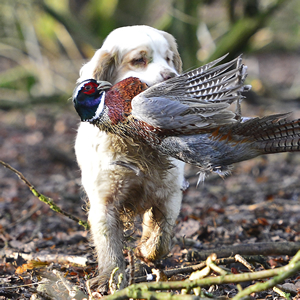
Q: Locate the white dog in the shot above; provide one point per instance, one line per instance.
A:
(117, 177)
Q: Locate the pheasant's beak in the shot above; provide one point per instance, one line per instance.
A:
(104, 85)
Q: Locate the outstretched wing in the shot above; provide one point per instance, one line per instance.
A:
(194, 100)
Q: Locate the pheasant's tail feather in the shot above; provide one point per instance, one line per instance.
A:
(271, 134)
(282, 137)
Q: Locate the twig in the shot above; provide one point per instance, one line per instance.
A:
(44, 256)
(139, 294)
(43, 198)
(111, 285)
(200, 266)
(284, 248)
(243, 261)
(211, 264)
(281, 293)
(201, 274)
(290, 270)
(131, 267)
(137, 290)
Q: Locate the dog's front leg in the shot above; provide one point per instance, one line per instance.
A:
(94, 157)
(107, 235)
(158, 222)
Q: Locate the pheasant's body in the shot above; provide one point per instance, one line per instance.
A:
(117, 117)
(187, 117)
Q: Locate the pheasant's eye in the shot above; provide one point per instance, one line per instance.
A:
(90, 88)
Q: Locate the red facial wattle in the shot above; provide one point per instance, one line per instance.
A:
(90, 88)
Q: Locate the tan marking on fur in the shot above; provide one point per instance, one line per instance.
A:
(106, 67)
(173, 47)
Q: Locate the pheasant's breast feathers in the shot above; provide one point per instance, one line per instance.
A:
(118, 98)
(130, 87)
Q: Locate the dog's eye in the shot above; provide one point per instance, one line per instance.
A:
(139, 61)
(168, 60)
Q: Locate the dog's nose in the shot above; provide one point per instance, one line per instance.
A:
(167, 75)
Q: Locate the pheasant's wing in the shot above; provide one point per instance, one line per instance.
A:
(194, 100)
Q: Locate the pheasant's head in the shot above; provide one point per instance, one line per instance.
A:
(89, 97)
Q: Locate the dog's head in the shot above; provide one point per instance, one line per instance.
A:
(138, 51)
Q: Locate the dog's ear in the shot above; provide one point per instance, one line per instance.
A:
(177, 61)
(105, 67)
(101, 67)
(173, 46)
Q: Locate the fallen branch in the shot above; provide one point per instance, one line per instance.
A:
(43, 198)
(157, 296)
(285, 248)
(280, 292)
(291, 269)
(147, 290)
(219, 261)
(44, 256)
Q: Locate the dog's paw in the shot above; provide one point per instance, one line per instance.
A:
(152, 250)
(108, 282)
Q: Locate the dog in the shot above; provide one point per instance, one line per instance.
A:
(118, 177)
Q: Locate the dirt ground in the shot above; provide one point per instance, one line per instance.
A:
(259, 202)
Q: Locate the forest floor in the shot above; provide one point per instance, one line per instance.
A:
(259, 202)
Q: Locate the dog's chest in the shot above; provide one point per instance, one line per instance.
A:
(139, 173)
(138, 157)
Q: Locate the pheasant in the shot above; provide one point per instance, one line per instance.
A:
(188, 117)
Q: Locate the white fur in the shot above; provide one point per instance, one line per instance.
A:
(131, 41)
(99, 108)
(100, 176)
